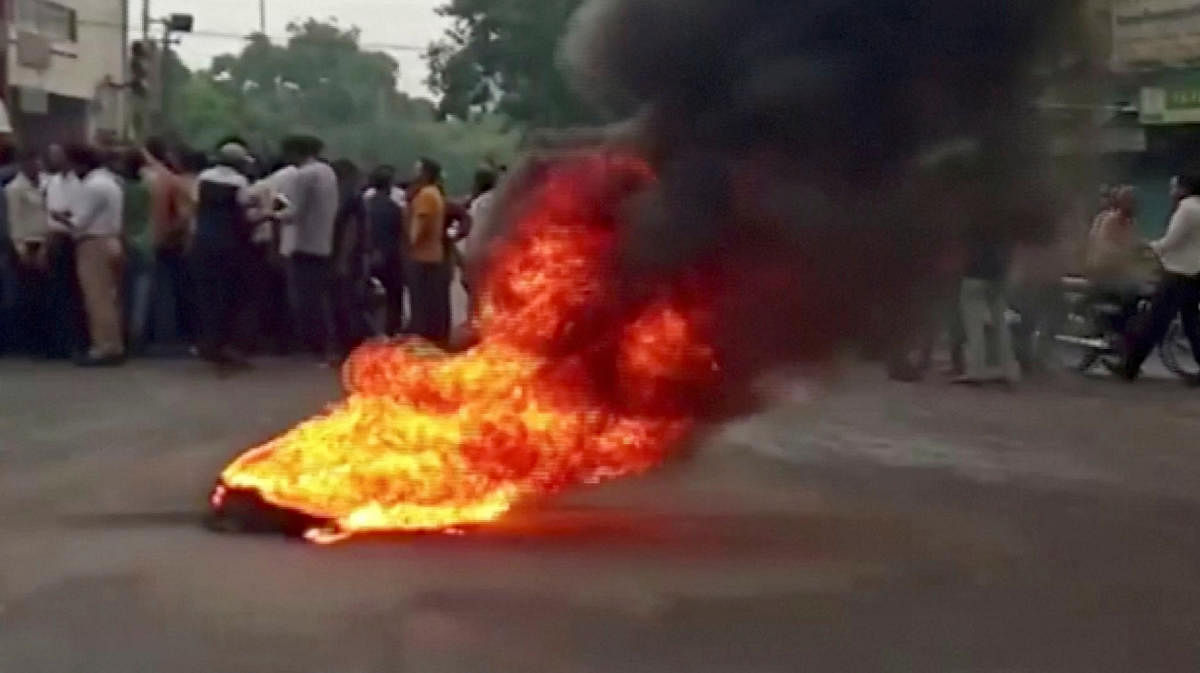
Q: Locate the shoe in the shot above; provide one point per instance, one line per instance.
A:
(210, 355)
(1122, 371)
(225, 370)
(235, 360)
(1119, 367)
(965, 380)
(232, 366)
(100, 361)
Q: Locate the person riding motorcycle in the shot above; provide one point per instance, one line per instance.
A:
(1118, 264)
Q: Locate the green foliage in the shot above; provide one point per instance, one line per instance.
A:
(322, 82)
(501, 56)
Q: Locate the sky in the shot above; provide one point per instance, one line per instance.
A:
(387, 25)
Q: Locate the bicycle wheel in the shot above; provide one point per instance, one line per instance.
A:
(1175, 351)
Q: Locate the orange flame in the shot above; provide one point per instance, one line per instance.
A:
(568, 384)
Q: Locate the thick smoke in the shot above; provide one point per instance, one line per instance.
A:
(821, 156)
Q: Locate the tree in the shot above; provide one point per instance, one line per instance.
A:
(501, 55)
(321, 81)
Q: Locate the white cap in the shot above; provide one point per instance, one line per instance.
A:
(234, 153)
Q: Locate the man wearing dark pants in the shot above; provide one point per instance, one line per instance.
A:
(310, 269)
(220, 252)
(429, 274)
(172, 207)
(310, 283)
(26, 202)
(10, 293)
(64, 298)
(388, 246)
(1179, 293)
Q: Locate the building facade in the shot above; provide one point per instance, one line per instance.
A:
(64, 68)
(1154, 33)
(1150, 96)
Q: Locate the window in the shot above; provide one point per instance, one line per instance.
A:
(48, 19)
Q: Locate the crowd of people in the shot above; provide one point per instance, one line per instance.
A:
(108, 253)
(999, 306)
(987, 279)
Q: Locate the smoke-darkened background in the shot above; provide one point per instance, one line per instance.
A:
(822, 158)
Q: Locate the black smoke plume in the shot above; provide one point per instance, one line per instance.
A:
(824, 156)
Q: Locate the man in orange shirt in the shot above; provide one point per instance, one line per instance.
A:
(429, 274)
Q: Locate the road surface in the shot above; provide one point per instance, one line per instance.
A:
(856, 525)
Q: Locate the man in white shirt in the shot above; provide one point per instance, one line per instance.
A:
(26, 205)
(64, 300)
(474, 247)
(1179, 293)
(315, 203)
(27, 219)
(61, 187)
(268, 321)
(394, 192)
(95, 221)
(273, 195)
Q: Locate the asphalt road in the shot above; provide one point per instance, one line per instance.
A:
(857, 525)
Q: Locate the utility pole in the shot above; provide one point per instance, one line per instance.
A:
(123, 97)
(4, 15)
(164, 83)
(6, 119)
(146, 21)
(172, 26)
(262, 16)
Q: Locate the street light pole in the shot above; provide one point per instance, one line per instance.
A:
(164, 82)
(172, 25)
(6, 120)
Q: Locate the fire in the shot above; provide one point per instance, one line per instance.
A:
(571, 382)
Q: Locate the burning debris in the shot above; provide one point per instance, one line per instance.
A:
(788, 167)
(568, 385)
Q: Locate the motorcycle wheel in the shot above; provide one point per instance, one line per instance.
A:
(1087, 360)
(1071, 354)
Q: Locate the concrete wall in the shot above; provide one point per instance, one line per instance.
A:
(78, 67)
